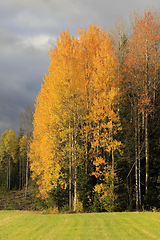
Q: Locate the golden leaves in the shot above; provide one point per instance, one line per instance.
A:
(78, 93)
(9, 143)
(105, 189)
(23, 143)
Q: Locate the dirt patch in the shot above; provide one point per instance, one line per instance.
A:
(16, 200)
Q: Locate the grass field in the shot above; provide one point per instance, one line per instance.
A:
(19, 225)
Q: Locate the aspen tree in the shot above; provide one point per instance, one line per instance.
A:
(65, 118)
(9, 146)
(23, 144)
(26, 124)
(141, 60)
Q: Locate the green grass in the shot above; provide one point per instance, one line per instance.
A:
(18, 225)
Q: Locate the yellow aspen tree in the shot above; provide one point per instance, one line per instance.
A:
(105, 96)
(9, 146)
(90, 41)
(105, 173)
(56, 115)
(63, 123)
(70, 70)
(105, 120)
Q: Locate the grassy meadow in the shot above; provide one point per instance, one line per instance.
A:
(18, 225)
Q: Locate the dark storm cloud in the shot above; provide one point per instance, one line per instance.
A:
(22, 68)
(28, 29)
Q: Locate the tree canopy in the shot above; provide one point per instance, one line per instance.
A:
(93, 142)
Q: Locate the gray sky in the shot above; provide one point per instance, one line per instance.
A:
(28, 29)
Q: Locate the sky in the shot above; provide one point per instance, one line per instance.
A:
(28, 29)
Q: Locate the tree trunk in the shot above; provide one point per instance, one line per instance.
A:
(20, 173)
(26, 190)
(70, 171)
(112, 180)
(136, 156)
(130, 193)
(143, 122)
(146, 123)
(98, 133)
(146, 151)
(75, 158)
(139, 162)
(86, 162)
(113, 169)
(9, 173)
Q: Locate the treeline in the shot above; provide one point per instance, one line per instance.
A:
(14, 173)
(96, 138)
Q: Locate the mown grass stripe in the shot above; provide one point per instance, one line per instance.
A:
(17, 225)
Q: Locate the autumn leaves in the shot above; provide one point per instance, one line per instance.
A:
(8, 150)
(76, 117)
(76, 121)
(141, 68)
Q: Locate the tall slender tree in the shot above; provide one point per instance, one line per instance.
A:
(9, 146)
(26, 124)
(142, 60)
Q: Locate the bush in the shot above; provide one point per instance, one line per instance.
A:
(54, 210)
(65, 208)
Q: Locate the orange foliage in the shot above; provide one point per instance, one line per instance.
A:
(142, 60)
(78, 93)
(105, 190)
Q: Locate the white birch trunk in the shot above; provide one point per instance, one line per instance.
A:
(75, 158)
(136, 156)
(70, 171)
(26, 190)
(9, 173)
(139, 162)
(146, 152)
